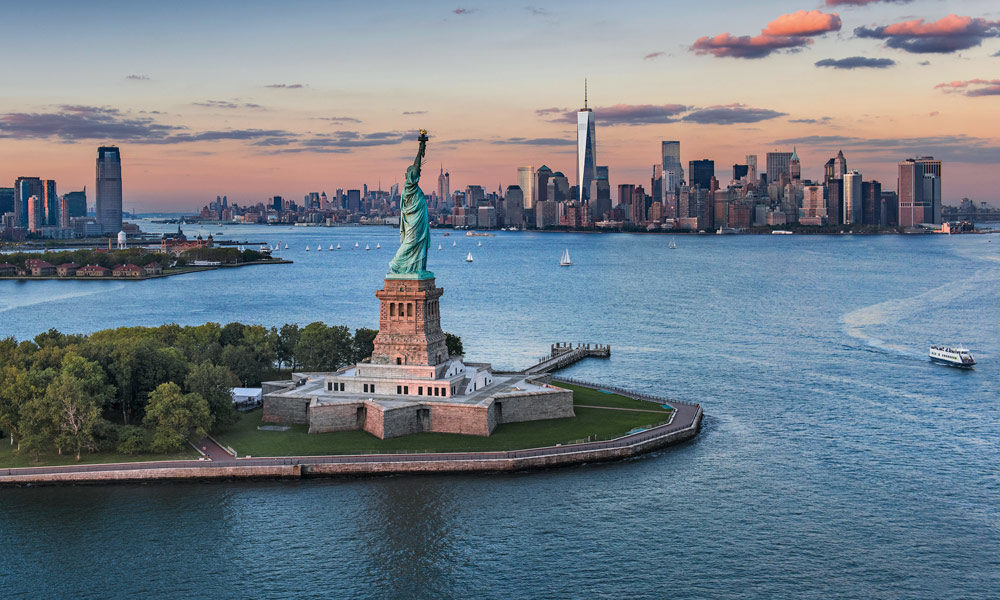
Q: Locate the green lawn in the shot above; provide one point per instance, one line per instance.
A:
(589, 423)
(9, 458)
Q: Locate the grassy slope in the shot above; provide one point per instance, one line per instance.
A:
(594, 423)
(9, 458)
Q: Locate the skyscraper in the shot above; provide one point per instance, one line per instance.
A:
(839, 165)
(751, 167)
(586, 149)
(76, 203)
(109, 189)
(513, 204)
(526, 181)
(51, 202)
(919, 191)
(24, 188)
(778, 164)
(794, 166)
(671, 152)
(701, 173)
(444, 187)
(540, 187)
(853, 209)
(6, 200)
(602, 186)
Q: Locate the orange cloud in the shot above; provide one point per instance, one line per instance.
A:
(972, 87)
(803, 22)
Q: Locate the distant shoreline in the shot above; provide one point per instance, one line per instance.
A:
(183, 271)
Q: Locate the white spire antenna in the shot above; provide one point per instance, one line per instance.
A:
(585, 93)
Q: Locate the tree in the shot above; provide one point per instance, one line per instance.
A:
(175, 417)
(364, 343)
(454, 344)
(232, 333)
(323, 348)
(74, 398)
(131, 440)
(214, 384)
(288, 337)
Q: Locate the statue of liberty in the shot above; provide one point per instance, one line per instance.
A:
(410, 261)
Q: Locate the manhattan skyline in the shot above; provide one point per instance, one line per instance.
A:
(252, 100)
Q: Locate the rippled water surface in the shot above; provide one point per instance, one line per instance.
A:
(835, 461)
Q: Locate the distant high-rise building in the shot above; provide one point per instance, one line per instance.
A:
(36, 213)
(51, 202)
(778, 164)
(751, 167)
(813, 203)
(835, 201)
(671, 153)
(353, 201)
(873, 208)
(656, 183)
(586, 149)
(24, 188)
(513, 205)
(919, 188)
(794, 166)
(526, 181)
(626, 192)
(602, 187)
(540, 186)
(740, 171)
(109, 189)
(474, 195)
(839, 165)
(6, 200)
(852, 198)
(701, 173)
(76, 203)
(444, 187)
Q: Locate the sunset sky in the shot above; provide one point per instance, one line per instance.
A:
(253, 99)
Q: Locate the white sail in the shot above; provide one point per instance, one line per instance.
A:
(439, 247)
(565, 260)
(367, 247)
(468, 258)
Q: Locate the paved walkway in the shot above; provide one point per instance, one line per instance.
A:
(661, 412)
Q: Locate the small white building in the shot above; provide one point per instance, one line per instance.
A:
(245, 399)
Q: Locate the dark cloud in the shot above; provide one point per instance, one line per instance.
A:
(285, 86)
(653, 55)
(520, 141)
(464, 11)
(924, 63)
(621, 114)
(137, 77)
(972, 87)
(951, 148)
(864, 2)
(997, 53)
(414, 112)
(948, 34)
(227, 104)
(730, 114)
(339, 119)
(856, 62)
(536, 11)
(792, 32)
(72, 123)
(813, 121)
(228, 134)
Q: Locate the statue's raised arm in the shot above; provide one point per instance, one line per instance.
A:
(410, 261)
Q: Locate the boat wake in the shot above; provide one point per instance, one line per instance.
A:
(12, 303)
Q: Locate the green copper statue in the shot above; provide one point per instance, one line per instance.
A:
(410, 261)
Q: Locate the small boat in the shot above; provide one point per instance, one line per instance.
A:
(307, 248)
(447, 234)
(953, 357)
(319, 247)
(468, 258)
(338, 246)
(367, 247)
(377, 245)
(672, 245)
(286, 246)
(479, 243)
(357, 245)
(331, 246)
(439, 247)
(565, 260)
(453, 244)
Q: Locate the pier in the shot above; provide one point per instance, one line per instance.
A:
(564, 354)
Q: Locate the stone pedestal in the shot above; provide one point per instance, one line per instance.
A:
(409, 330)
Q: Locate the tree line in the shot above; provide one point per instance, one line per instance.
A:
(136, 256)
(138, 389)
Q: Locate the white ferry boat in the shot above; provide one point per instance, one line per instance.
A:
(953, 357)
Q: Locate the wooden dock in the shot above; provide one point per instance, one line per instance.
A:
(564, 354)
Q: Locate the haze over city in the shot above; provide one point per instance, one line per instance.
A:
(252, 99)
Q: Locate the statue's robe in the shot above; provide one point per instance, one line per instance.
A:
(414, 230)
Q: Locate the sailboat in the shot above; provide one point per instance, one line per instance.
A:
(672, 245)
(331, 246)
(307, 248)
(468, 258)
(377, 245)
(357, 245)
(367, 247)
(286, 246)
(439, 247)
(453, 244)
(479, 243)
(319, 247)
(338, 246)
(565, 260)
